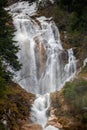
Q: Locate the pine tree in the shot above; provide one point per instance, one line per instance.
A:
(8, 49)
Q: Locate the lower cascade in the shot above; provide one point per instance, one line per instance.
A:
(46, 66)
(39, 109)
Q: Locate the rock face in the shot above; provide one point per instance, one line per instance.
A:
(12, 1)
(53, 119)
(40, 56)
(54, 123)
(31, 127)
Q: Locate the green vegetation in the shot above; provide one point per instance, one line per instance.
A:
(8, 57)
(75, 94)
(76, 25)
(71, 18)
(15, 106)
(8, 49)
(70, 104)
(2, 127)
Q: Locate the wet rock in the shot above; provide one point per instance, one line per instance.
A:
(12, 1)
(55, 124)
(31, 127)
(53, 121)
(40, 55)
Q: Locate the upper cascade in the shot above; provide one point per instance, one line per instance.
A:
(44, 2)
(22, 8)
(46, 66)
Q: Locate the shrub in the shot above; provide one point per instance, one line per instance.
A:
(75, 93)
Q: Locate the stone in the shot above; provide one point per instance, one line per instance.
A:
(53, 121)
(40, 53)
(31, 127)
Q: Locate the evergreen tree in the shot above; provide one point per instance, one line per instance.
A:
(8, 49)
(65, 4)
(79, 10)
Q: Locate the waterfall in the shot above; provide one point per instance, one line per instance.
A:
(39, 109)
(46, 66)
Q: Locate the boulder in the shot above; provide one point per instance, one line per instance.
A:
(31, 127)
(53, 121)
(55, 124)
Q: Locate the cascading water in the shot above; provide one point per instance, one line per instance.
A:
(46, 66)
(40, 108)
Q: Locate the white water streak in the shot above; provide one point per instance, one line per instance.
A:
(57, 70)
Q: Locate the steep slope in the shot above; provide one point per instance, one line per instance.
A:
(15, 106)
(70, 104)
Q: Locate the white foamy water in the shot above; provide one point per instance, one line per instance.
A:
(42, 31)
(39, 109)
(51, 128)
(46, 66)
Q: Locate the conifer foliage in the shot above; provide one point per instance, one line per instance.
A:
(8, 49)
